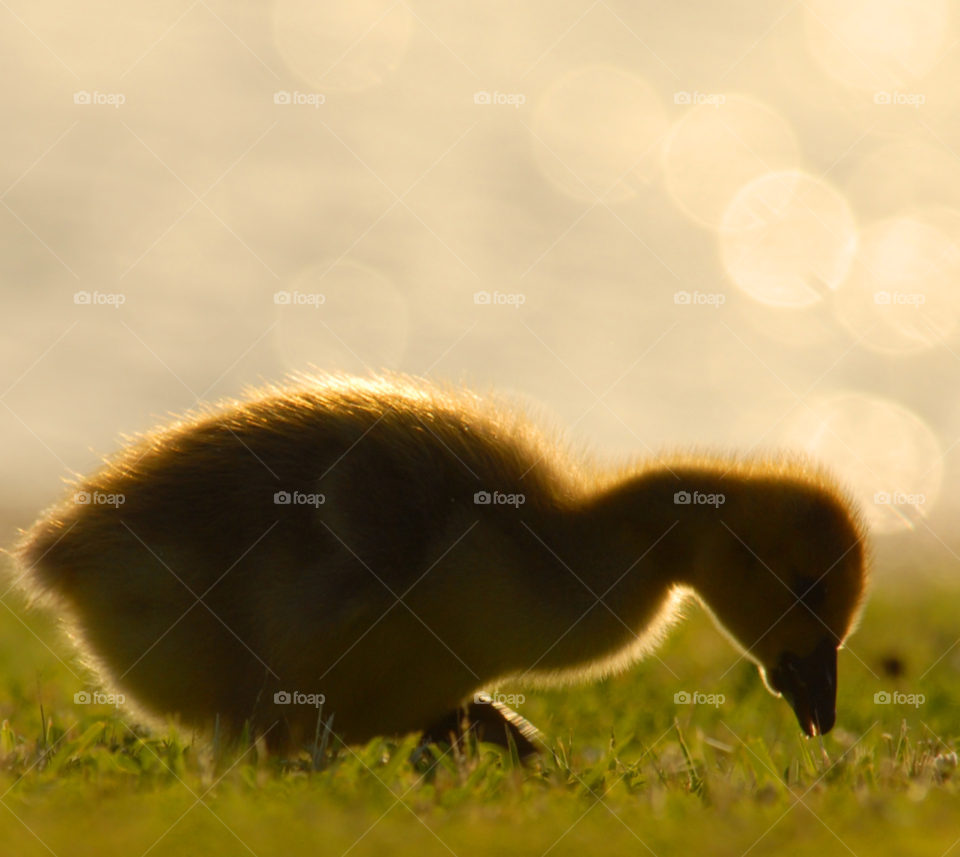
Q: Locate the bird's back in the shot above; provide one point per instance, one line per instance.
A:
(256, 545)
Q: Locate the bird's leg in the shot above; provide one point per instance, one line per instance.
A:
(491, 721)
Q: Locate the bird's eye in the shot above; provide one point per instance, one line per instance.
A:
(810, 590)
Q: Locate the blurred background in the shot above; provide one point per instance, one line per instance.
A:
(734, 226)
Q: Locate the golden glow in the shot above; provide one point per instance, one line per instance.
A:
(344, 46)
(869, 44)
(745, 158)
(886, 455)
(598, 132)
(787, 239)
(713, 152)
(903, 293)
(351, 320)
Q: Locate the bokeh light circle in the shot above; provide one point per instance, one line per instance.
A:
(714, 151)
(874, 44)
(903, 291)
(885, 455)
(787, 239)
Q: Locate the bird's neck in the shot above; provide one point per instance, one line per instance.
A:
(635, 544)
(643, 524)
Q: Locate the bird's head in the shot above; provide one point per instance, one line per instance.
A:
(792, 584)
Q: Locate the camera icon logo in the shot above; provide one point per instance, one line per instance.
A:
(881, 697)
(481, 297)
(682, 498)
(681, 97)
(281, 97)
(682, 698)
(482, 498)
(82, 498)
(281, 697)
(81, 698)
(281, 498)
(81, 297)
(481, 97)
(881, 498)
(881, 97)
(881, 297)
(81, 97)
(482, 698)
(681, 297)
(281, 297)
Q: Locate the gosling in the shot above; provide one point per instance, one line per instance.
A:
(391, 548)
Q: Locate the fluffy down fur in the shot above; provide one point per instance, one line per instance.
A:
(400, 596)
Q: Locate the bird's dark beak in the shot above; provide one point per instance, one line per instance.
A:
(809, 684)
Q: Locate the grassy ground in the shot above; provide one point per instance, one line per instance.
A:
(632, 773)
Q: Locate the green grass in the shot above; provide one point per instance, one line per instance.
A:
(632, 772)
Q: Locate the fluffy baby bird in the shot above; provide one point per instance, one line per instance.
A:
(394, 547)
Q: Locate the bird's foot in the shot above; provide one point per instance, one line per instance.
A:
(491, 722)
